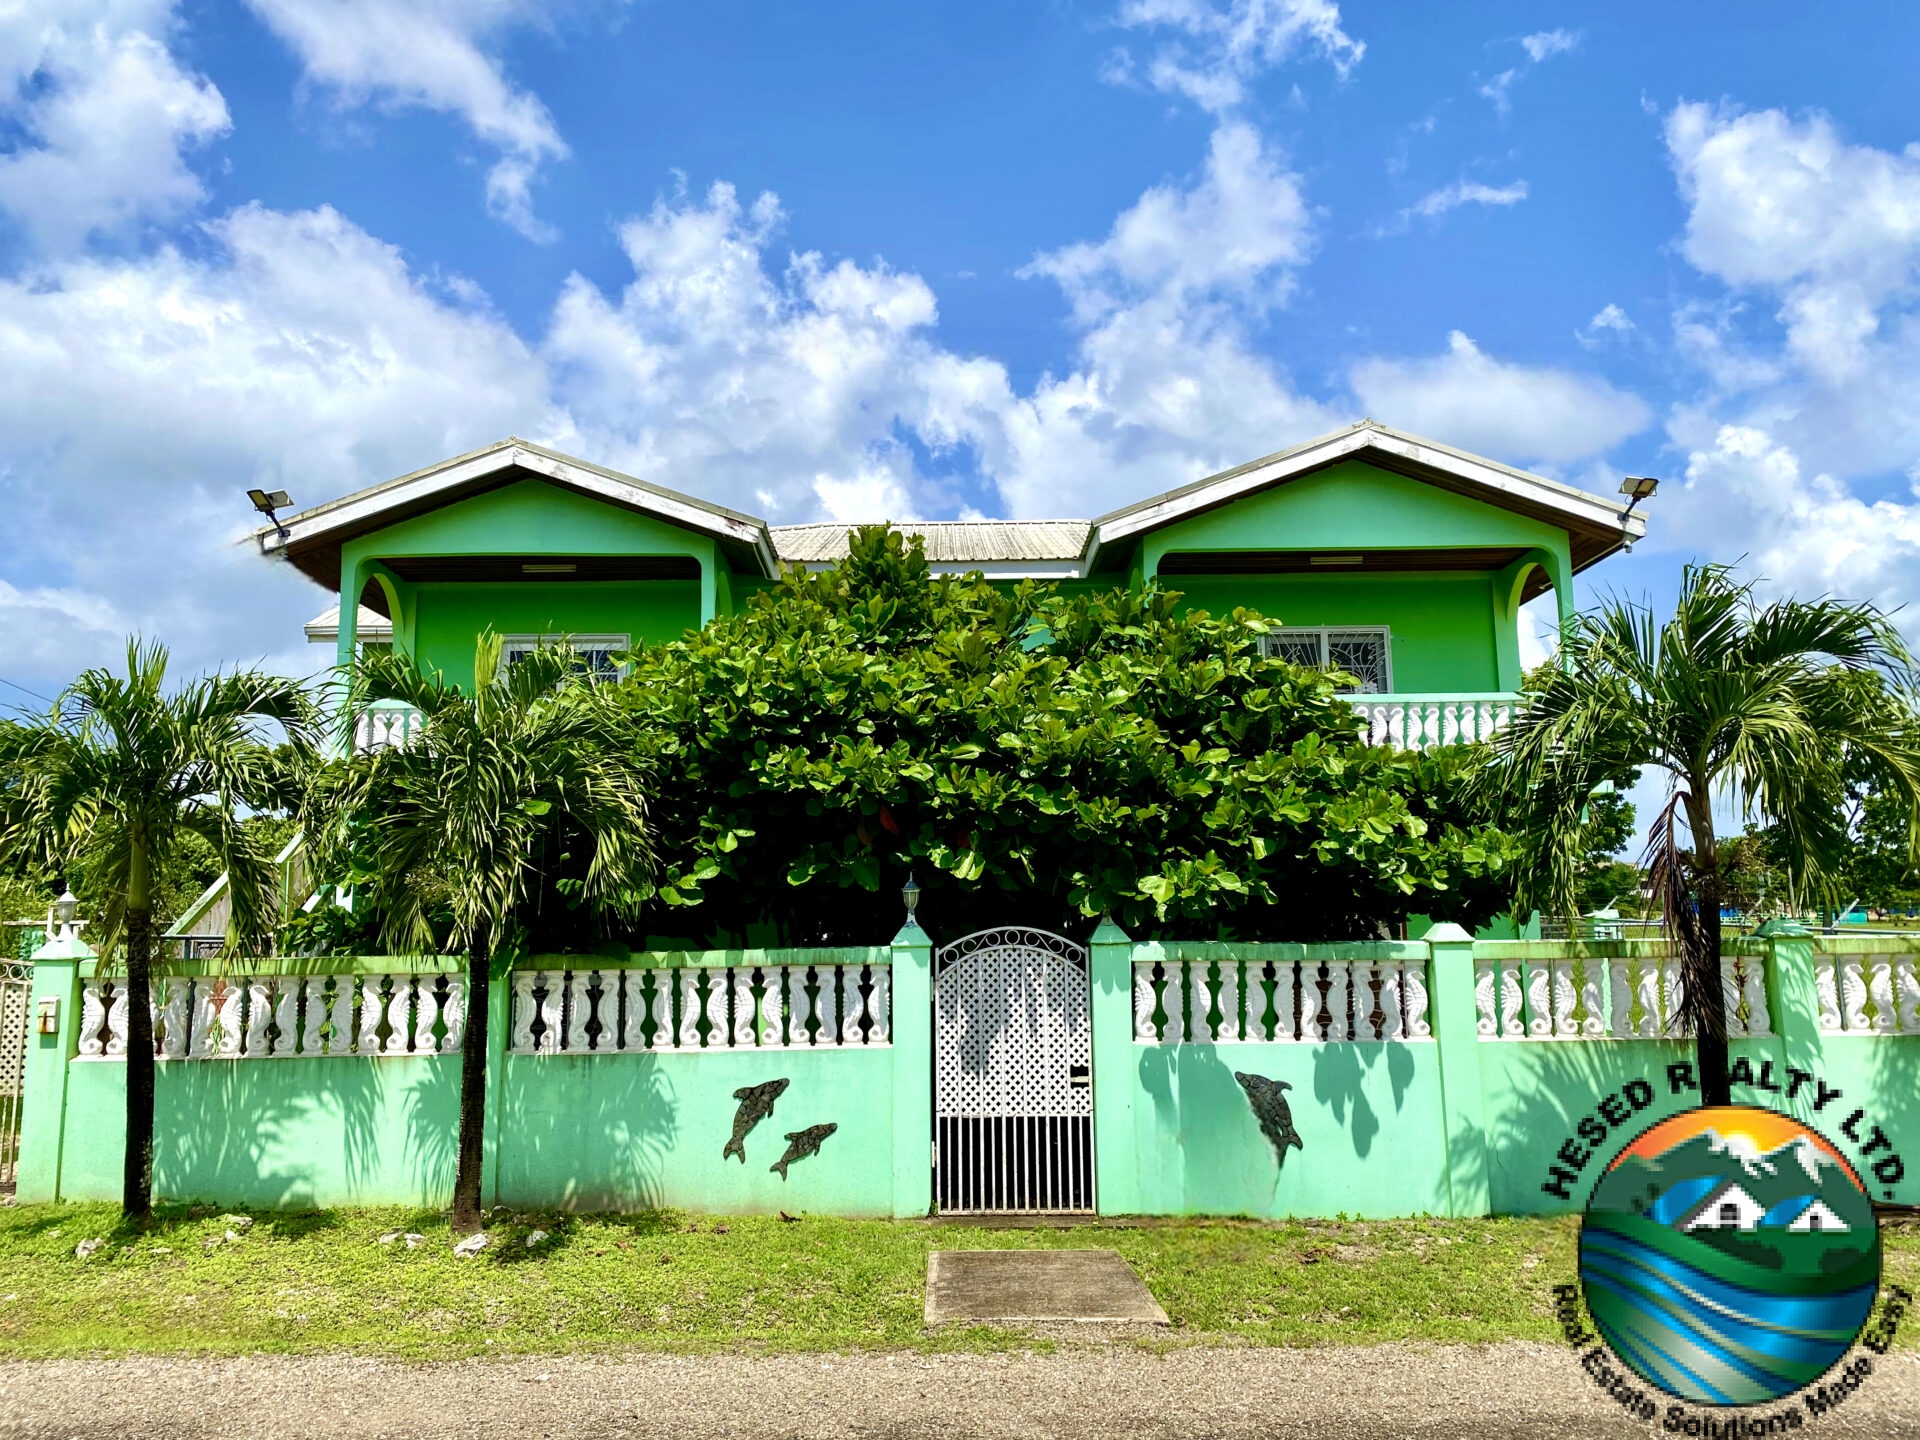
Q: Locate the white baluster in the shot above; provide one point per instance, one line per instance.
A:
(826, 1005)
(1144, 1001)
(259, 1017)
(1620, 999)
(1202, 984)
(1483, 1001)
(882, 1033)
(854, 1008)
(455, 1015)
(200, 1031)
(1361, 993)
(1730, 995)
(1338, 975)
(1285, 994)
(1512, 1019)
(630, 1006)
(1909, 989)
(770, 1007)
(553, 1011)
(1753, 981)
(1880, 987)
(1539, 1000)
(372, 1009)
(117, 1022)
(525, 1008)
(341, 1019)
(93, 1017)
(1670, 993)
(1853, 993)
(1593, 1023)
(1258, 990)
(1229, 1000)
(579, 986)
(1565, 998)
(799, 1007)
(397, 1016)
(1826, 986)
(660, 1008)
(689, 1010)
(742, 1006)
(286, 1017)
(1649, 1026)
(1413, 980)
(174, 1045)
(426, 991)
(232, 999)
(1393, 1027)
(1174, 1000)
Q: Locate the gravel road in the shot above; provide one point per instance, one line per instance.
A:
(1081, 1390)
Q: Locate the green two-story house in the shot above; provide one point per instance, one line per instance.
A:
(1399, 560)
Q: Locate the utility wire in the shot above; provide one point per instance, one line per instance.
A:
(24, 691)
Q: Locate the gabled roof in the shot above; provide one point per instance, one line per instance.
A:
(313, 538)
(1596, 525)
(370, 624)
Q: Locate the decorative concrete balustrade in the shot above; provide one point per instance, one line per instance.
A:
(383, 724)
(1634, 996)
(1871, 993)
(279, 1017)
(1421, 722)
(702, 1007)
(1209, 1001)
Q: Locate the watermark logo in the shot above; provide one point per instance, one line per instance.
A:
(1729, 1256)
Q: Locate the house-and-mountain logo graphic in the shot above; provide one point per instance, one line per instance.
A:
(1730, 1256)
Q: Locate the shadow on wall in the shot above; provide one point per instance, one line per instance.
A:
(1339, 1084)
(1895, 1085)
(583, 1133)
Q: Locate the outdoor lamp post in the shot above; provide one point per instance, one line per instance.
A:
(60, 918)
(910, 894)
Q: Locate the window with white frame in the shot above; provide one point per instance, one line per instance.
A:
(597, 654)
(1363, 651)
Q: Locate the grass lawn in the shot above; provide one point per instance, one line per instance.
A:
(322, 1281)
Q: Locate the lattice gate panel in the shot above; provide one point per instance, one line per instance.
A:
(1012, 1074)
(16, 984)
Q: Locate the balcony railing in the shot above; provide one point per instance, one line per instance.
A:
(384, 723)
(1420, 722)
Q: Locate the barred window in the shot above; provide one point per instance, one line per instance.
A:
(1364, 652)
(595, 653)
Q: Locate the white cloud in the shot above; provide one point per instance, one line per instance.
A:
(1496, 90)
(1466, 192)
(1611, 320)
(104, 113)
(432, 55)
(1519, 413)
(872, 494)
(1748, 494)
(1212, 51)
(1544, 44)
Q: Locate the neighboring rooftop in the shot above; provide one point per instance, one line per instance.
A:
(947, 542)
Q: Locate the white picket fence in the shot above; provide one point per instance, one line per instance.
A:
(1204, 1002)
(1616, 998)
(1867, 994)
(702, 1007)
(280, 1017)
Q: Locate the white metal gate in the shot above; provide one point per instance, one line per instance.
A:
(1012, 1074)
(16, 987)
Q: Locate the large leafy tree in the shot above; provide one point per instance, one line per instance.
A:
(1773, 705)
(120, 779)
(1030, 757)
(451, 837)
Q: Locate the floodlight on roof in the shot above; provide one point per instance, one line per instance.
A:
(1636, 488)
(268, 501)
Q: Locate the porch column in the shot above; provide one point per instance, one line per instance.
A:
(912, 958)
(43, 1094)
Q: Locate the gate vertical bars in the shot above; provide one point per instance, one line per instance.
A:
(1013, 1111)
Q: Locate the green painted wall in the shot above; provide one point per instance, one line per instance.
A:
(450, 616)
(1444, 633)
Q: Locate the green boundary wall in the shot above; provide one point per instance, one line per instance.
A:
(1454, 1123)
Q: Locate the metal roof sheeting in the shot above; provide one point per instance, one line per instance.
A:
(947, 542)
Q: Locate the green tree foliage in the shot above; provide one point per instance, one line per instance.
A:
(1779, 704)
(120, 779)
(451, 838)
(1029, 757)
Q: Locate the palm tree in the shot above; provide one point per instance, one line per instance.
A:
(455, 831)
(1775, 706)
(114, 777)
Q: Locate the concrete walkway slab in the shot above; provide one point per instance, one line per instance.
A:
(1095, 1285)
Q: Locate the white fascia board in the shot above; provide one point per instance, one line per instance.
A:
(1536, 490)
(370, 505)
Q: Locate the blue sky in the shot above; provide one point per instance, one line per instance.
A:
(856, 261)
